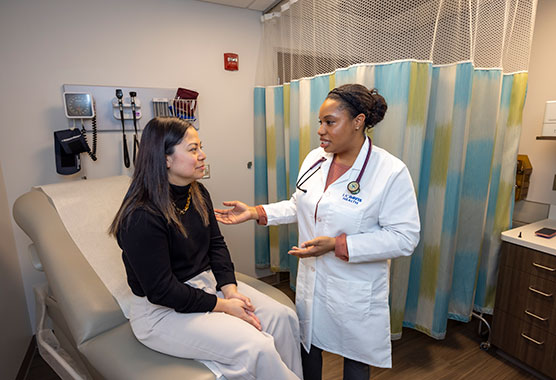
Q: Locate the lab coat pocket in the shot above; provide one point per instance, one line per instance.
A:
(380, 291)
(348, 300)
(347, 217)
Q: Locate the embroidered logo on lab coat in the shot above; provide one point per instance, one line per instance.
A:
(351, 198)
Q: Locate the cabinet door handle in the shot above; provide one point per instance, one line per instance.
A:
(539, 292)
(536, 316)
(532, 340)
(543, 267)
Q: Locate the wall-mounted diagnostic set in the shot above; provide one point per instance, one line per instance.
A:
(115, 106)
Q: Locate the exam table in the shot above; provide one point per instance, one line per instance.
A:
(84, 317)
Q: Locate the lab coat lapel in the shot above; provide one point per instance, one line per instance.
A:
(325, 168)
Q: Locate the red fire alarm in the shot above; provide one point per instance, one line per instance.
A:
(231, 62)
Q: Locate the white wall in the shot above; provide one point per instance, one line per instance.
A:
(541, 87)
(16, 333)
(142, 43)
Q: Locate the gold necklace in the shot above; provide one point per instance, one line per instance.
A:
(182, 211)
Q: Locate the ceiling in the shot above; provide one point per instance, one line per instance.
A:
(256, 5)
(267, 5)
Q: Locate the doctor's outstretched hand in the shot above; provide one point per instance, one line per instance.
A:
(315, 247)
(238, 214)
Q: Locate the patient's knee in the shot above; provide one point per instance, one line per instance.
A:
(280, 315)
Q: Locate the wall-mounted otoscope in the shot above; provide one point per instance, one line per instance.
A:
(120, 95)
(132, 95)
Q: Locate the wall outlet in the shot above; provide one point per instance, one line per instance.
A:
(207, 171)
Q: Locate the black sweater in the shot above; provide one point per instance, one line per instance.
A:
(158, 259)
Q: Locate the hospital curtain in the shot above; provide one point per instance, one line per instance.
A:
(455, 125)
(452, 125)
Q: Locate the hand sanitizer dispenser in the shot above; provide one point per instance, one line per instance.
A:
(549, 123)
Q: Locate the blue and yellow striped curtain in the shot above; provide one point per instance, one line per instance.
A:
(457, 129)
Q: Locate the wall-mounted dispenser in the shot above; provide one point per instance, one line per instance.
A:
(549, 121)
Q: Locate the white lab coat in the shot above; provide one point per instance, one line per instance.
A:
(343, 306)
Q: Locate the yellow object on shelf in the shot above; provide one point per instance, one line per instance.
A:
(523, 174)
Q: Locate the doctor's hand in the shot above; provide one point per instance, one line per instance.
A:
(316, 247)
(238, 214)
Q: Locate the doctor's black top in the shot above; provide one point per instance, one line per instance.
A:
(158, 259)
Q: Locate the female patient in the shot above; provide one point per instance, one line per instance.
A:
(187, 302)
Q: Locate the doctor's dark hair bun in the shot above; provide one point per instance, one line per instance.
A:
(357, 99)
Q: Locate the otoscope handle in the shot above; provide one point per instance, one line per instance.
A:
(126, 153)
(120, 95)
(133, 110)
(135, 146)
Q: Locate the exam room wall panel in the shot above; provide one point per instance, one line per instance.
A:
(143, 43)
(542, 87)
(14, 319)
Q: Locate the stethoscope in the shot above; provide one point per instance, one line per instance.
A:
(353, 187)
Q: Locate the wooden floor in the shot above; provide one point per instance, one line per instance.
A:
(415, 356)
(39, 369)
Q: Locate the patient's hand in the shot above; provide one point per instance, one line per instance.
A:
(246, 312)
(230, 291)
(239, 309)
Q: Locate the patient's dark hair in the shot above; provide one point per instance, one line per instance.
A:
(357, 99)
(150, 188)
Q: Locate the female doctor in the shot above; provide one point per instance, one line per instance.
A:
(356, 209)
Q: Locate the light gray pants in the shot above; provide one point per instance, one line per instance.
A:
(228, 345)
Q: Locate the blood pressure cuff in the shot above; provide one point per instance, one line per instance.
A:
(71, 141)
(68, 143)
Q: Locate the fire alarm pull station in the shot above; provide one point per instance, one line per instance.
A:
(231, 61)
